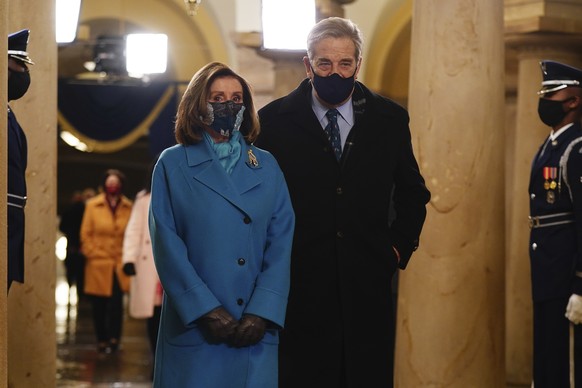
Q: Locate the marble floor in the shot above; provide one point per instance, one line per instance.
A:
(79, 365)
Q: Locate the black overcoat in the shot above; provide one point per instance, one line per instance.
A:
(340, 309)
(17, 160)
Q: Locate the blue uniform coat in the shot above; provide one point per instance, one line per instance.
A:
(219, 239)
(17, 160)
(556, 251)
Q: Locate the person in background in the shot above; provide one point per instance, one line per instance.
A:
(102, 229)
(346, 154)
(70, 226)
(221, 224)
(145, 291)
(555, 192)
(18, 83)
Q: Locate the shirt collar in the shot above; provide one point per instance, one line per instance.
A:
(346, 110)
(554, 135)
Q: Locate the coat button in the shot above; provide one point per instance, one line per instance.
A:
(339, 191)
(239, 301)
(247, 220)
(241, 261)
(534, 246)
(532, 196)
(339, 234)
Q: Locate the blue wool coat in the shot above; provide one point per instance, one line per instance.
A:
(219, 239)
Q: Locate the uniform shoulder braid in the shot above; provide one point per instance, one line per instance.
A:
(574, 151)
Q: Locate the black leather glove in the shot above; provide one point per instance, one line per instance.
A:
(129, 269)
(217, 326)
(250, 331)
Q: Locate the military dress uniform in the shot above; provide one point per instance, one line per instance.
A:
(17, 160)
(555, 249)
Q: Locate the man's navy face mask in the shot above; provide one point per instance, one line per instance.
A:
(333, 89)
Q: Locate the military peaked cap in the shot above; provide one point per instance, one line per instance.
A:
(17, 42)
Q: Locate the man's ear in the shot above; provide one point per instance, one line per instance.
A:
(359, 66)
(307, 65)
(575, 102)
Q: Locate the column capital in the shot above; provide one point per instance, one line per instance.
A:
(328, 8)
(543, 42)
(542, 16)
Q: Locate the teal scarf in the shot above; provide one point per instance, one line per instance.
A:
(228, 152)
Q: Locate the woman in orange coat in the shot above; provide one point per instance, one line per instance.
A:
(104, 222)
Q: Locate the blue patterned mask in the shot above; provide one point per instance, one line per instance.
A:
(225, 117)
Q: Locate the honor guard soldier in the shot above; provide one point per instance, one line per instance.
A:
(18, 82)
(556, 229)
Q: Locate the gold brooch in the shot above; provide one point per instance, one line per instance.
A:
(253, 159)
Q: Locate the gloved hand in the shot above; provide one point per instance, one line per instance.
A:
(129, 269)
(574, 309)
(250, 331)
(217, 326)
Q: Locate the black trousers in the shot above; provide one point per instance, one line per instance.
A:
(551, 364)
(108, 314)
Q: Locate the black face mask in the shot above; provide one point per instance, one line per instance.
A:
(18, 83)
(333, 89)
(552, 112)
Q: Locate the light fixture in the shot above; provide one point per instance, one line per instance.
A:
(287, 23)
(146, 54)
(136, 55)
(109, 53)
(73, 141)
(67, 18)
(192, 6)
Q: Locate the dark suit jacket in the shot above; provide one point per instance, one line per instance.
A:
(556, 251)
(17, 158)
(342, 259)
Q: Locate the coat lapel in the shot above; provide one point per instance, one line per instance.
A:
(296, 108)
(206, 169)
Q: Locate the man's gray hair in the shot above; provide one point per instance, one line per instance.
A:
(334, 27)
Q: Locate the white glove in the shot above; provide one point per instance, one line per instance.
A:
(574, 309)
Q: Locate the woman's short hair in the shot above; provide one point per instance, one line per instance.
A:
(192, 111)
(334, 27)
(117, 173)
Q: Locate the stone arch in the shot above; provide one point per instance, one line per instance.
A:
(388, 58)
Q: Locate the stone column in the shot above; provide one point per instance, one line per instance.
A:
(31, 306)
(450, 321)
(528, 135)
(3, 206)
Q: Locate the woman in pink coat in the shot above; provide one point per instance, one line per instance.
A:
(145, 291)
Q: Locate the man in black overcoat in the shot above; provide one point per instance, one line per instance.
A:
(555, 192)
(343, 168)
(18, 83)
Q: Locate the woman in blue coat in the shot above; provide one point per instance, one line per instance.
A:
(221, 224)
